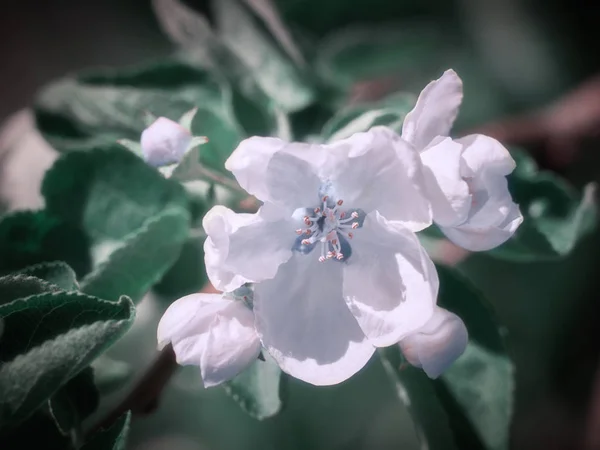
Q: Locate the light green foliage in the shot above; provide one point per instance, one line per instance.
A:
(49, 338)
(470, 405)
(258, 389)
(556, 217)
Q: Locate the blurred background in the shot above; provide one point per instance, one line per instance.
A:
(521, 60)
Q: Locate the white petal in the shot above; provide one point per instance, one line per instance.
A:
(242, 248)
(276, 171)
(186, 323)
(377, 170)
(390, 283)
(447, 191)
(305, 325)
(291, 179)
(486, 163)
(249, 162)
(478, 239)
(164, 142)
(435, 111)
(484, 154)
(232, 344)
(493, 216)
(437, 344)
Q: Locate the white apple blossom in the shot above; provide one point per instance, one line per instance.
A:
(213, 331)
(338, 267)
(465, 178)
(437, 344)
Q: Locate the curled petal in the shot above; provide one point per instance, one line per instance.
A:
(436, 345)
(448, 192)
(186, 323)
(242, 248)
(231, 346)
(164, 142)
(480, 238)
(483, 154)
(212, 332)
(377, 170)
(305, 325)
(435, 111)
(390, 283)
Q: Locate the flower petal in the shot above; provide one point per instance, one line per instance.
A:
(390, 283)
(436, 345)
(484, 154)
(478, 239)
(291, 179)
(447, 191)
(186, 323)
(232, 344)
(276, 171)
(305, 325)
(242, 248)
(164, 142)
(435, 111)
(377, 170)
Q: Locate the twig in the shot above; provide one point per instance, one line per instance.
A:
(143, 399)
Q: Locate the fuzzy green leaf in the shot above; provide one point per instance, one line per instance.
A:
(556, 217)
(257, 389)
(417, 393)
(55, 272)
(142, 259)
(32, 237)
(477, 390)
(72, 403)
(47, 340)
(271, 69)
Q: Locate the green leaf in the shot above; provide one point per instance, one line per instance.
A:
(188, 274)
(417, 393)
(257, 389)
(13, 287)
(47, 340)
(108, 192)
(556, 217)
(101, 107)
(142, 259)
(29, 237)
(353, 119)
(358, 53)
(137, 220)
(55, 272)
(72, 403)
(112, 438)
(477, 390)
(271, 69)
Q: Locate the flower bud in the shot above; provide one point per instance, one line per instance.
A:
(164, 142)
(436, 345)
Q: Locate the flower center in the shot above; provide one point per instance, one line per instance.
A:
(326, 225)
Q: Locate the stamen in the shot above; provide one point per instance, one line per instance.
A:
(326, 226)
